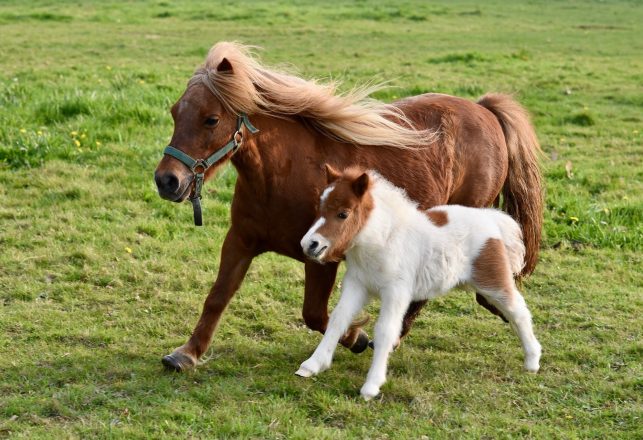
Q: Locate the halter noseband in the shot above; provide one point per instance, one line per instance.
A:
(203, 164)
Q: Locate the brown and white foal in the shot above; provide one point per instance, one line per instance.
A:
(402, 254)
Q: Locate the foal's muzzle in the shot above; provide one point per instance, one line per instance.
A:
(315, 247)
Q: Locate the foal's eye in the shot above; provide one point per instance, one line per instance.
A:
(211, 122)
(343, 215)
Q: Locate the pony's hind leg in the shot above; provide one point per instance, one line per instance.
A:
(512, 305)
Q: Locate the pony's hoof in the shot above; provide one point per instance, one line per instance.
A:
(361, 343)
(178, 362)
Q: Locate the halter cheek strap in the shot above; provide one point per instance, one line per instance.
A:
(199, 166)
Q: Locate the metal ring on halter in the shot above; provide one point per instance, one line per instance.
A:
(200, 163)
(237, 137)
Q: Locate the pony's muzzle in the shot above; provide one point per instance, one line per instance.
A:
(170, 187)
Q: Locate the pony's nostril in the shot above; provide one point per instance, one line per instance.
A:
(313, 245)
(168, 182)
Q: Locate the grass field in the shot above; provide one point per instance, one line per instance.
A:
(99, 277)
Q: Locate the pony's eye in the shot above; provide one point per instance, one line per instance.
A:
(343, 215)
(211, 122)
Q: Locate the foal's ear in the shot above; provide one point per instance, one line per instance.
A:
(331, 174)
(360, 185)
(224, 66)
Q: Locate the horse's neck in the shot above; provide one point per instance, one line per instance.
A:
(280, 146)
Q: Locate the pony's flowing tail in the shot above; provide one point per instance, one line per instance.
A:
(523, 190)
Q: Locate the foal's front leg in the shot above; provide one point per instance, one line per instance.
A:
(395, 302)
(352, 300)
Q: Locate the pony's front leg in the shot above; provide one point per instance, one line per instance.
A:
(395, 302)
(352, 300)
(236, 256)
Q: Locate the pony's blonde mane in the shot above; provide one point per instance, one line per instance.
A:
(351, 117)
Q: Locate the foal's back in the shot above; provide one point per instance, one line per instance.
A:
(473, 229)
(446, 245)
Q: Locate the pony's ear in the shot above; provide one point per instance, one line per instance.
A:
(360, 185)
(224, 66)
(331, 174)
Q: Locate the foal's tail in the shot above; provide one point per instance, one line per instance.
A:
(523, 191)
(513, 241)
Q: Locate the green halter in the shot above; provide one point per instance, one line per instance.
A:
(204, 164)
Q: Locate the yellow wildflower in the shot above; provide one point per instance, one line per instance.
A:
(77, 142)
(128, 250)
(573, 219)
(39, 133)
(98, 144)
(83, 136)
(22, 130)
(73, 133)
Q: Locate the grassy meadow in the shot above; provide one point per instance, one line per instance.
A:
(99, 277)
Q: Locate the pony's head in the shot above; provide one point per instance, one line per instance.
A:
(206, 118)
(344, 208)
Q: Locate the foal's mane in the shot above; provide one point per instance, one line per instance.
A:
(350, 117)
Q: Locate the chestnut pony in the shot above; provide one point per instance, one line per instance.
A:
(440, 149)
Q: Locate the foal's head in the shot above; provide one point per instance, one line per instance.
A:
(344, 208)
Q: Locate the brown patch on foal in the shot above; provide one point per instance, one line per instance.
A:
(491, 268)
(438, 217)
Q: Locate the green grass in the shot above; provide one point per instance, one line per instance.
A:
(99, 277)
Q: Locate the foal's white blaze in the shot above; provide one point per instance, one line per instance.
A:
(312, 236)
(326, 193)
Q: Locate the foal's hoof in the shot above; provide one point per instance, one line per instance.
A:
(178, 361)
(304, 372)
(361, 343)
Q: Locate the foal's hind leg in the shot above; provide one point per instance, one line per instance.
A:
(493, 279)
(512, 305)
(320, 280)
